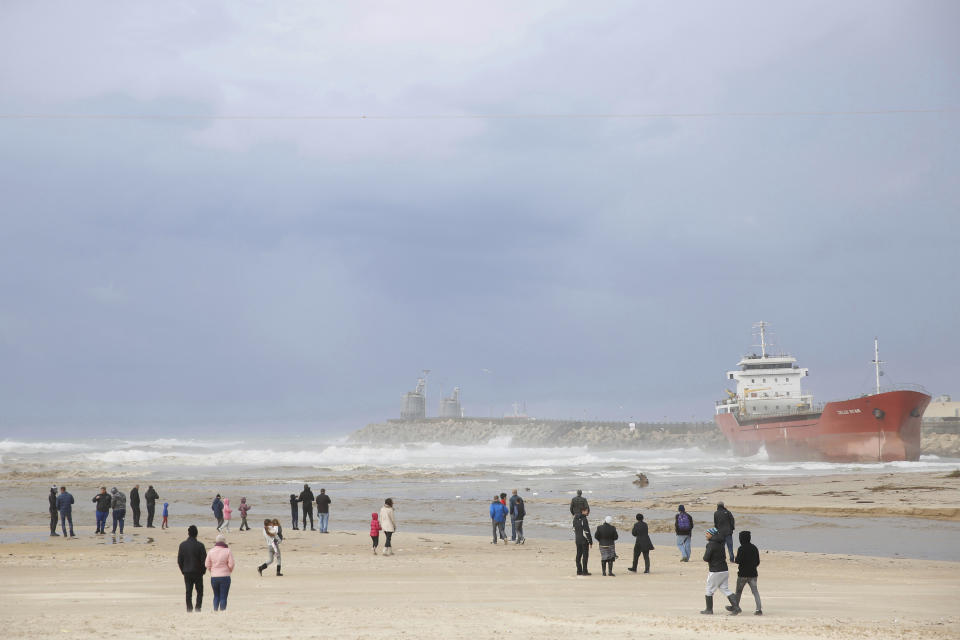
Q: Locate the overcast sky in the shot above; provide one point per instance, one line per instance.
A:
(206, 275)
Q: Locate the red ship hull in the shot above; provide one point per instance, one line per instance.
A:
(878, 428)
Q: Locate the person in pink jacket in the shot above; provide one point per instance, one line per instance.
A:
(227, 514)
(220, 565)
(375, 530)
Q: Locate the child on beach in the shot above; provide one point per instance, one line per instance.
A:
(166, 512)
(375, 531)
(747, 559)
(243, 508)
(294, 510)
(227, 515)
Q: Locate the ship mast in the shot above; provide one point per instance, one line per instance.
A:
(763, 337)
(877, 361)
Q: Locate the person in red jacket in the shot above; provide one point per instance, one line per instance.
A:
(375, 530)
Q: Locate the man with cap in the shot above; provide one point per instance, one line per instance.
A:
(683, 526)
(52, 499)
(192, 560)
(723, 521)
(719, 574)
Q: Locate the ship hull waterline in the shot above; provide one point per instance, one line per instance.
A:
(878, 428)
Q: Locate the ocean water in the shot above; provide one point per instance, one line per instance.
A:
(438, 488)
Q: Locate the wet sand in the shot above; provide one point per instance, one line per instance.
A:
(440, 586)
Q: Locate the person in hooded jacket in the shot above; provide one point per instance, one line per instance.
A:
(103, 501)
(118, 502)
(220, 564)
(724, 522)
(719, 574)
(135, 504)
(748, 558)
(518, 513)
(151, 496)
(243, 509)
(606, 536)
(375, 530)
(643, 545)
(306, 497)
(217, 508)
(294, 515)
(52, 499)
(498, 515)
(388, 524)
(581, 535)
(227, 515)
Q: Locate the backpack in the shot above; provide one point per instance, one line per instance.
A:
(521, 509)
(684, 522)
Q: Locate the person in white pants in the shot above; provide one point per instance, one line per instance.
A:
(719, 575)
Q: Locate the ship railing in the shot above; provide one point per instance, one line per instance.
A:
(904, 387)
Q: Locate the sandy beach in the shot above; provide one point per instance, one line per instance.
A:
(455, 587)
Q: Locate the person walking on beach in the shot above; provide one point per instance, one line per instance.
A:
(498, 515)
(220, 564)
(375, 531)
(643, 546)
(227, 515)
(217, 508)
(192, 560)
(103, 509)
(323, 510)
(243, 509)
(118, 503)
(293, 510)
(135, 504)
(511, 506)
(151, 496)
(388, 523)
(306, 497)
(271, 533)
(581, 533)
(719, 574)
(52, 499)
(683, 526)
(517, 514)
(747, 559)
(578, 504)
(606, 536)
(724, 523)
(164, 523)
(65, 507)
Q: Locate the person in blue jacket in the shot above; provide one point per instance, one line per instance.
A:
(217, 508)
(65, 507)
(498, 514)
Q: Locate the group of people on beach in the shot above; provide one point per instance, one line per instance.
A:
(306, 498)
(500, 508)
(115, 502)
(747, 557)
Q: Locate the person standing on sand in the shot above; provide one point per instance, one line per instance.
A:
(388, 523)
(723, 521)
(135, 504)
(243, 509)
(498, 516)
(271, 533)
(517, 515)
(511, 506)
(103, 509)
(374, 531)
(748, 559)
(581, 533)
(719, 574)
(217, 508)
(52, 499)
(643, 545)
(65, 507)
(306, 497)
(227, 515)
(323, 510)
(118, 503)
(578, 504)
(606, 536)
(192, 560)
(151, 496)
(220, 563)
(683, 526)
(294, 515)
(164, 523)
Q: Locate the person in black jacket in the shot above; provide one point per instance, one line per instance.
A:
(151, 496)
(723, 521)
(192, 559)
(643, 545)
(306, 497)
(581, 532)
(323, 510)
(103, 500)
(135, 504)
(52, 499)
(606, 536)
(748, 558)
(293, 510)
(719, 575)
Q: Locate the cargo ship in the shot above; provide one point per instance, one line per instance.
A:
(770, 411)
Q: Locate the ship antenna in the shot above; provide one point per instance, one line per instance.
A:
(763, 337)
(877, 361)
